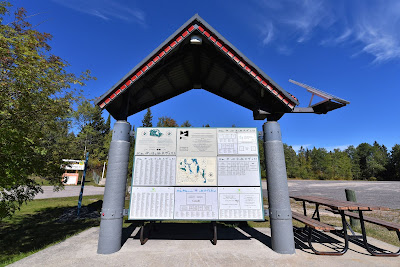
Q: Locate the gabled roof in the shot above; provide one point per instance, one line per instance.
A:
(178, 65)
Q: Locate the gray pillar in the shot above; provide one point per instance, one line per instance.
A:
(114, 194)
(280, 214)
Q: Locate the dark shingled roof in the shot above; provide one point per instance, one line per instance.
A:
(177, 66)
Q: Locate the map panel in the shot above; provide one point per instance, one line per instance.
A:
(238, 171)
(155, 142)
(197, 203)
(201, 142)
(196, 171)
(151, 203)
(240, 203)
(154, 171)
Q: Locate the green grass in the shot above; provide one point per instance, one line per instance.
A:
(36, 227)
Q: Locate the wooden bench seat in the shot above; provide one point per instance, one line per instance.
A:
(391, 226)
(317, 225)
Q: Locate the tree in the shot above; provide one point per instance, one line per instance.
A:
(355, 166)
(166, 122)
(186, 124)
(93, 131)
(207, 125)
(35, 101)
(320, 162)
(292, 164)
(372, 160)
(393, 166)
(147, 119)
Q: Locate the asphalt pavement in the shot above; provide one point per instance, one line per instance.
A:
(374, 193)
(377, 193)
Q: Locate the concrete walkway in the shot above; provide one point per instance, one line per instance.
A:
(236, 247)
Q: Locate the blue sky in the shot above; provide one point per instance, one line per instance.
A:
(348, 48)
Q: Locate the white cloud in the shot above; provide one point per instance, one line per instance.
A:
(268, 33)
(377, 29)
(367, 27)
(106, 10)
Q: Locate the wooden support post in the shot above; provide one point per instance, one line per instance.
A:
(351, 196)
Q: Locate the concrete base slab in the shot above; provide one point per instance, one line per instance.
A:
(236, 247)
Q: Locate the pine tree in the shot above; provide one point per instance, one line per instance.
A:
(186, 124)
(147, 119)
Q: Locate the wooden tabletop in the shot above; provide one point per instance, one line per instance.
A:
(338, 204)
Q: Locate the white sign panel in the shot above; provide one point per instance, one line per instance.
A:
(155, 141)
(240, 203)
(200, 142)
(234, 141)
(227, 141)
(196, 203)
(247, 142)
(238, 171)
(154, 171)
(74, 165)
(196, 171)
(152, 203)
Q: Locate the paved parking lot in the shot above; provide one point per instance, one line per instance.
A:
(376, 193)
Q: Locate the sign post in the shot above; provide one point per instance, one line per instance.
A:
(83, 184)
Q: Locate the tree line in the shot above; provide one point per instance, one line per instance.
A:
(363, 162)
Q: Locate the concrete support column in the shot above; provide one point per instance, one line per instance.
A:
(114, 193)
(280, 214)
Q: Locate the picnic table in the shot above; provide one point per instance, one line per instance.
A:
(343, 208)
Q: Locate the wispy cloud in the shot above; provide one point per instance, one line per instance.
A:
(106, 10)
(267, 32)
(378, 29)
(367, 27)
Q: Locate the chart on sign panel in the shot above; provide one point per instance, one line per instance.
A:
(233, 141)
(154, 171)
(155, 141)
(196, 203)
(240, 203)
(238, 171)
(152, 203)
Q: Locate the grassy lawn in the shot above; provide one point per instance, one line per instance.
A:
(37, 226)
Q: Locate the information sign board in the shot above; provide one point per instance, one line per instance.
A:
(238, 171)
(240, 203)
(152, 203)
(196, 174)
(196, 203)
(73, 165)
(233, 141)
(155, 141)
(154, 170)
(200, 142)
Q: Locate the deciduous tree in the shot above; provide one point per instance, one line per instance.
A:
(35, 101)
